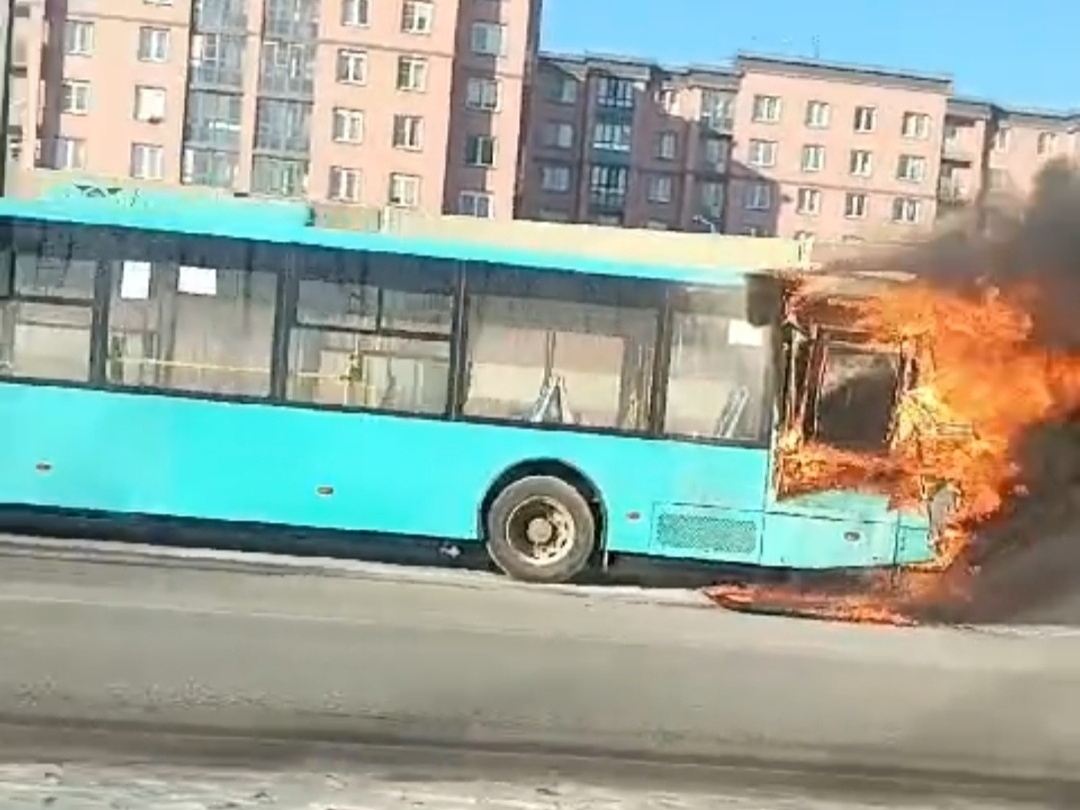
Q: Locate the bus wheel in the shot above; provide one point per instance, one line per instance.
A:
(540, 529)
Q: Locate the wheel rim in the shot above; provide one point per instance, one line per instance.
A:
(541, 531)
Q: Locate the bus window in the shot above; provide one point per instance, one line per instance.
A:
(718, 382)
(46, 315)
(569, 362)
(372, 334)
(201, 323)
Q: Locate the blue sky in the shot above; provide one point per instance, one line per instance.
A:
(1017, 52)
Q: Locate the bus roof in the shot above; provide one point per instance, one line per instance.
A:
(289, 223)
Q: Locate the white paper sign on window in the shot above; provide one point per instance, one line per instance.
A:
(197, 280)
(135, 280)
(741, 333)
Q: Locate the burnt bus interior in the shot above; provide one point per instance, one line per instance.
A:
(841, 386)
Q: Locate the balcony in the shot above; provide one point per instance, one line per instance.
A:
(956, 149)
(952, 192)
(717, 123)
(607, 200)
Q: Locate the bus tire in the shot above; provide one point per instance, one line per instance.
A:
(540, 529)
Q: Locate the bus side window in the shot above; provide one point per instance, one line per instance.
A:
(373, 333)
(557, 359)
(46, 312)
(718, 383)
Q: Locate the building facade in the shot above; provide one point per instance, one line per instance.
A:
(769, 146)
(410, 103)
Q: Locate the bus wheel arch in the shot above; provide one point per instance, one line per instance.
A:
(557, 482)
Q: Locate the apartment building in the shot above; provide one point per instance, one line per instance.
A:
(407, 103)
(770, 146)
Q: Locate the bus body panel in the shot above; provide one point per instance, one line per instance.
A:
(149, 454)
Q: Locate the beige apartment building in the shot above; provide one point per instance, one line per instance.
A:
(407, 103)
(770, 146)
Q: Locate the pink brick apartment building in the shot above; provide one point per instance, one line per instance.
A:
(770, 147)
(411, 103)
(446, 107)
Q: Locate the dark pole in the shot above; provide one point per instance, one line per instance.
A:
(7, 27)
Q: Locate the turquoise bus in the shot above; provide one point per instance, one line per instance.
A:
(236, 363)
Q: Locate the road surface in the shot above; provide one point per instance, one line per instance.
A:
(42, 771)
(475, 662)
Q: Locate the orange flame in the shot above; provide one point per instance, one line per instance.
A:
(985, 369)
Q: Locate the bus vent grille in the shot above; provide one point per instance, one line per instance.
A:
(711, 534)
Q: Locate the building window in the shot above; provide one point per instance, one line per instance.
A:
(817, 115)
(559, 135)
(711, 199)
(714, 154)
(279, 177)
(762, 153)
(483, 93)
(211, 119)
(758, 197)
(915, 125)
(149, 104)
(355, 12)
(218, 59)
(352, 66)
(404, 190)
(69, 154)
(906, 210)
(488, 39)
(203, 325)
(813, 158)
(412, 73)
(147, 161)
(667, 99)
(1001, 139)
(345, 184)
(718, 109)
(865, 119)
(478, 204)
(615, 93)
(283, 126)
(210, 167)
(348, 125)
(911, 168)
(480, 151)
(556, 354)
(153, 44)
(766, 109)
(560, 88)
(613, 137)
(660, 189)
(607, 185)
(78, 38)
(1047, 143)
(408, 132)
(417, 16)
(667, 146)
(808, 201)
(856, 205)
(75, 98)
(555, 179)
(861, 163)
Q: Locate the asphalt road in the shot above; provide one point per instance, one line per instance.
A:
(479, 663)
